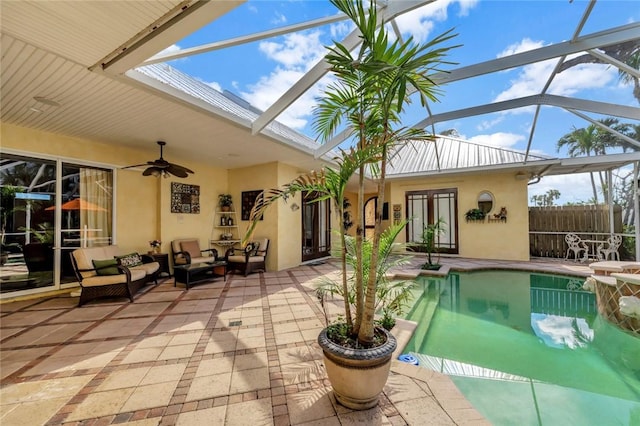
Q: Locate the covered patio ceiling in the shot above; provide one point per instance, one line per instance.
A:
(69, 67)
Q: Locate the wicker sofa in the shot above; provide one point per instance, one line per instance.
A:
(114, 280)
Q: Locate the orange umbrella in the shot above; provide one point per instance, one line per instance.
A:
(78, 204)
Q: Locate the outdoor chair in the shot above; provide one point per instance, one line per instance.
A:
(249, 259)
(576, 245)
(610, 248)
(187, 251)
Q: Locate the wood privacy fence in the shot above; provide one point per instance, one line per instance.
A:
(549, 225)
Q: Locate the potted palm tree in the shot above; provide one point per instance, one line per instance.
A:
(372, 86)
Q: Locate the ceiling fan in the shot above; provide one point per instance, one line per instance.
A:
(162, 167)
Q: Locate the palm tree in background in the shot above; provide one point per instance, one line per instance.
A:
(595, 140)
(634, 62)
(583, 141)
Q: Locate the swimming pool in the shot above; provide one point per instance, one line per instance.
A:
(527, 348)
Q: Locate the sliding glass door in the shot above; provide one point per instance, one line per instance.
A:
(48, 208)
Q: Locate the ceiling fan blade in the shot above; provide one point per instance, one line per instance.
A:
(176, 166)
(152, 171)
(177, 171)
(135, 165)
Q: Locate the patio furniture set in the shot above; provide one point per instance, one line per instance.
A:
(585, 249)
(106, 272)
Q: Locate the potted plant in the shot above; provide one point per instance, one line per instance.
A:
(430, 235)
(225, 201)
(474, 214)
(371, 88)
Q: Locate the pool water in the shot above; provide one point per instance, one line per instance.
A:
(527, 348)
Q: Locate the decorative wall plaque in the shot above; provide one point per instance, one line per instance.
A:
(248, 201)
(185, 198)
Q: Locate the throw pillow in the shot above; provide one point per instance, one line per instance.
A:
(129, 260)
(106, 267)
(192, 247)
(254, 251)
(248, 248)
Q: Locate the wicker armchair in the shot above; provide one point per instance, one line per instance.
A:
(249, 259)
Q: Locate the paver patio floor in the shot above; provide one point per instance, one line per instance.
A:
(240, 352)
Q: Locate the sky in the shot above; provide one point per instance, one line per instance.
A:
(260, 72)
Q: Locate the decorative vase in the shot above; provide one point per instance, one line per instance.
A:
(156, 250)
(357, 376)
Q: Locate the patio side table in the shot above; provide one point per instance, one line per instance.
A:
(163, 260)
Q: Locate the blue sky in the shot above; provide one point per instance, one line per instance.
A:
(261, 71)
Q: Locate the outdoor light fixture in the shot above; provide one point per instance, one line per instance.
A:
(295, 207)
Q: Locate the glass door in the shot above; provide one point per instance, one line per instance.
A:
(86, 211)
(28, 190)
(428, 207)
(37, 234)
(316, 231)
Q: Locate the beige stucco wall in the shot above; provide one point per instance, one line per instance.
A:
(256, 178)
(486, 240)
(143, 211)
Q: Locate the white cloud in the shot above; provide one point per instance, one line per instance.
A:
(466, 6)
(532, 78)
(499, 139)
(340, 29)
(420, 22)
(487, 124)
(279, 19)
(573, 188)
(294, 55)
(215, 85)
(297, 50)
(524, 45)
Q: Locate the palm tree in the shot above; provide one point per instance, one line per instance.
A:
(634, 62)
(596, 140)
(369, 94)
(582, 142)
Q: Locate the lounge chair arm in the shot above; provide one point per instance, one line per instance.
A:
(186, 255)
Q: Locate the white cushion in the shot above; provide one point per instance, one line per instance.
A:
(148, 268)
(99, 280)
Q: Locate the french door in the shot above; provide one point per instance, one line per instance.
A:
(316, 227)
(427, 207)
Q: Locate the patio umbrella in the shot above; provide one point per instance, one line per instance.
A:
(75, 205)
(78, 204)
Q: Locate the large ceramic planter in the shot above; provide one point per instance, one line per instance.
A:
(357, 375)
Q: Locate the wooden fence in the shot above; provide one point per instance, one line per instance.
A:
(549, 225)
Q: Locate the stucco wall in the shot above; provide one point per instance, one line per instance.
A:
(487, 240)
(256, 178)
(142, 206)
(289, 242)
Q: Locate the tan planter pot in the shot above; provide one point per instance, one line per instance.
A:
(357, 375)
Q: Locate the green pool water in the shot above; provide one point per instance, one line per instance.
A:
(527, 349)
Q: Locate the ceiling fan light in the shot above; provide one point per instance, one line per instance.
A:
(156, 173)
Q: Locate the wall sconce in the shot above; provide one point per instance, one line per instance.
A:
(295, 207)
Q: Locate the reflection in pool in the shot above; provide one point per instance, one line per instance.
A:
(527, 348)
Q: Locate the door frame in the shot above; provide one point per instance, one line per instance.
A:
(315, 250)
